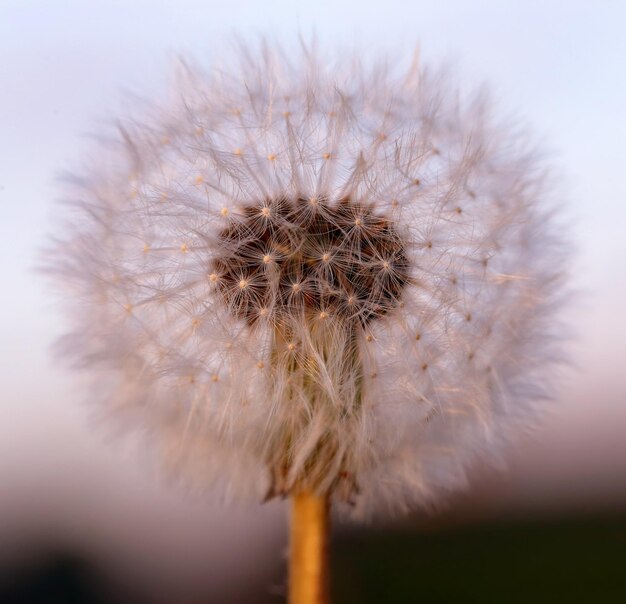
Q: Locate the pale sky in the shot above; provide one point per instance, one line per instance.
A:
(64, 66)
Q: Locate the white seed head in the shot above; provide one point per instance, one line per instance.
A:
(427, 257)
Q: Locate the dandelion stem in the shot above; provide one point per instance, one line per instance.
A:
(308, 549)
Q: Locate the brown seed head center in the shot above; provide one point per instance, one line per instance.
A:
(288, 256)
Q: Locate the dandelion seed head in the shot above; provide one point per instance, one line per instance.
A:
(384, 250)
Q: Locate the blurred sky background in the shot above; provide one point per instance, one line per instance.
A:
(64, 65)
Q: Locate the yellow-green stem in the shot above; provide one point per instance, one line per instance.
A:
(308, 549)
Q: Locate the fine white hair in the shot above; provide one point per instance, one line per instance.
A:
(383, 413)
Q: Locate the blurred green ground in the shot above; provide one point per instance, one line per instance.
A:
(576, 560)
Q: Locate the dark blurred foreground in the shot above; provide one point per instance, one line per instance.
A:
(574, 560)
(581, 560)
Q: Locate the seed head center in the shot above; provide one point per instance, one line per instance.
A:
(352, 288)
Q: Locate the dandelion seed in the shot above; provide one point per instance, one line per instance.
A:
(323, 274)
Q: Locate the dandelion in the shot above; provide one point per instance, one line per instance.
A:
(333, 283)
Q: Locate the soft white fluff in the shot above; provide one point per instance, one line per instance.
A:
(460, 361)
